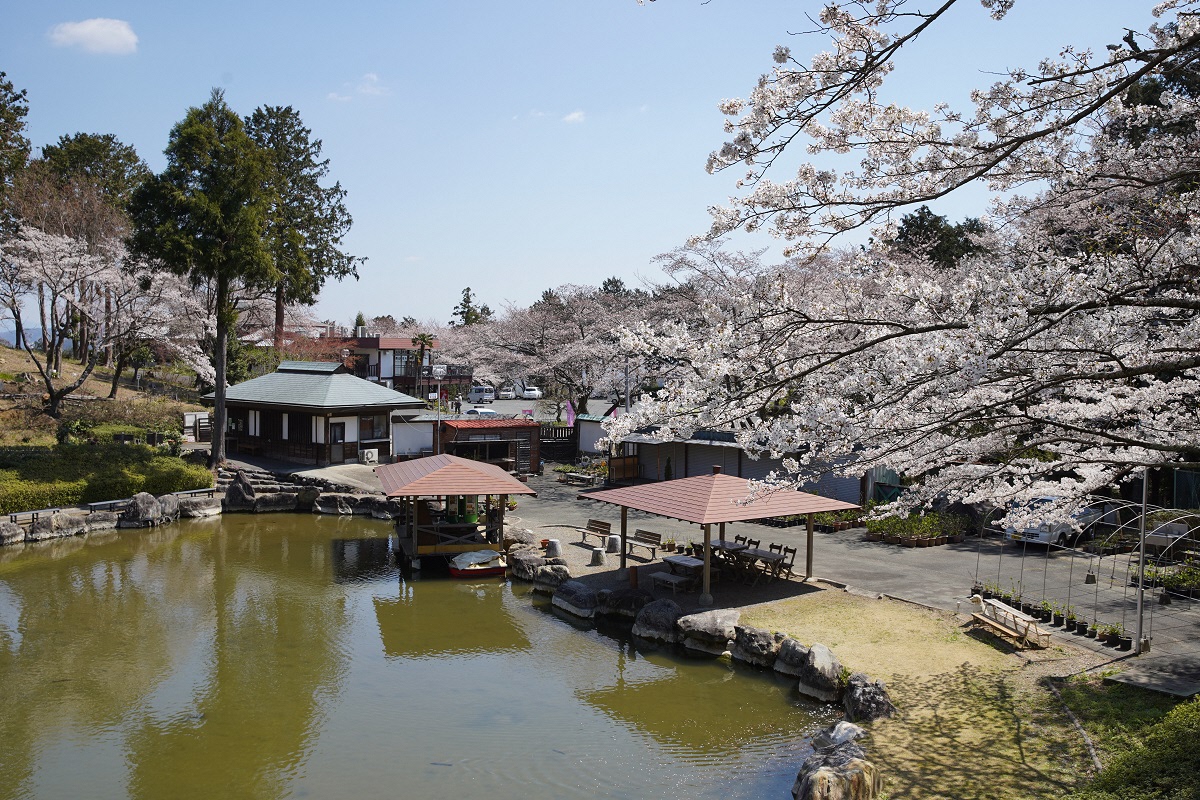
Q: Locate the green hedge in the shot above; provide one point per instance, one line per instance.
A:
(930, 525)
(69, 475)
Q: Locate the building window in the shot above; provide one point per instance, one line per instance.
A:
(372, 428)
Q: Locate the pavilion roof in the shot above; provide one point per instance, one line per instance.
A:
(705, 499)
(443, 474)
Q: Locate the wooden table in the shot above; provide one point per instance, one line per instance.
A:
(683, 565)
(685, 571)
(771, 562)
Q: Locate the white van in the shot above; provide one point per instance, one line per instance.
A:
(481, 394)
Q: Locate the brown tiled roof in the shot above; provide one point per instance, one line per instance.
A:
(705, 499)
(433, 476)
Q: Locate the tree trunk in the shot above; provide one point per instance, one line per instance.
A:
(279, 317)
(117, 370)
(225, 316)
(42, 313)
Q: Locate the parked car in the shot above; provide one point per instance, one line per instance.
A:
(481, 394)
(531, 393)
(506, 393)
(481, 412)
(1089, 518)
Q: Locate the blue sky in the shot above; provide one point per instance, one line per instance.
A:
(505, 146)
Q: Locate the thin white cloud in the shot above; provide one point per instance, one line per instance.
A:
(575, 117)
(100, 36)
(368, 85)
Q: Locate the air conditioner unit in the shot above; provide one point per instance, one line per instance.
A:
(368, 455)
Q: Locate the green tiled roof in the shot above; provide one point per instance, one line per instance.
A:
(317, 391)
(319, 367)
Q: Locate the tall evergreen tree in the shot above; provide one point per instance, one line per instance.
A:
(306, 222)
(113, 166)
(205, 216)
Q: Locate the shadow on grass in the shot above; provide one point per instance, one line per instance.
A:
(972, 733)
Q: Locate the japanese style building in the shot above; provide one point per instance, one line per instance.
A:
(313, 412)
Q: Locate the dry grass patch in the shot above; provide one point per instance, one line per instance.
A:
(974, 719)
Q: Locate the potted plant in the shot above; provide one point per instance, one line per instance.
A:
(1047, 610)
(1058, 617)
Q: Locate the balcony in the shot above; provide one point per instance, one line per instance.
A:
(368, 371)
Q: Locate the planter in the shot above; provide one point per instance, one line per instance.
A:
(1030, 609)
(545, 543)
(873, 537)
(958, 538)
(987, 595)
(908, 542)
(1058, 620)
(1091, 632)
(1046, 615)
(1124, 642)
(891, 538)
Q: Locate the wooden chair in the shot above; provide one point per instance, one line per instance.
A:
(789, 562)
(754, 543)
(775, 548)
(739, 540)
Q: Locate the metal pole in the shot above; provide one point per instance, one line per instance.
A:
(1142, 556)
(808, 554)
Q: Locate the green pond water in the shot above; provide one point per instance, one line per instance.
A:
(283, 656)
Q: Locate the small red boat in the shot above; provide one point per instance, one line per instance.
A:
(478, 564)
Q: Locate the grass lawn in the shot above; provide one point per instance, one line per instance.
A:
(976, 719)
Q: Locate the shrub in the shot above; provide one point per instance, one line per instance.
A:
(81, 473)
(1162, 766)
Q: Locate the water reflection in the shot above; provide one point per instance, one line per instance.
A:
(282, 656)
(431, 619)
(357, 560)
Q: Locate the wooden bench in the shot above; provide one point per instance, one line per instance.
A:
(601, 530)
(581, 478)
(647, 539)
(1008, 621)
(674, 581)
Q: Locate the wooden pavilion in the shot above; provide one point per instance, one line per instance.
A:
(715, 499)
(444, 516)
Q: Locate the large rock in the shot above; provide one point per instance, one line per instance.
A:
(524, 564)
(239, 495)
(790, 658)
(709, 631)
(577, 598)
(658, 621)
(306, 496)
(867, 700)
(624, 602)
(275, 501)
(820, 674)
(143, 509)
(101, 520)
(338, 503)
(837, 735)
(840, 773)
(11, 532)
(755, 646)
(372, 505)
(516, 536)
(56, 526)
(547, 579)
(170, 506)
(194, 507)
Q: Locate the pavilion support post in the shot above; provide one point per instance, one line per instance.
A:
(624, 533)
(499, 516)
(808, 553)
(721, 534)
(706, 598)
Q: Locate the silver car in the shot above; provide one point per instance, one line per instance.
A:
(1064, 533)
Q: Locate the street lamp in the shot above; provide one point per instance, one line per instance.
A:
(438, 371)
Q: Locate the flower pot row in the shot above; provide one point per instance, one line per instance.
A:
(912, 541)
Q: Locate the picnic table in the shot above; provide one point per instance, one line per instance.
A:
(1007, 620)
(684, 572)
(582, 478)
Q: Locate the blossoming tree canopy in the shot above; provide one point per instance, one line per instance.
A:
(1057, 357)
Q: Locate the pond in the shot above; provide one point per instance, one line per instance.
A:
(283, 656)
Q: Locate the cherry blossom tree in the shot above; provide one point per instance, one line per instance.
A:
(566, 339)
(1057, 358)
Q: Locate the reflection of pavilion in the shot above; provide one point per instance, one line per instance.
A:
(440, 618)
(360, 559)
